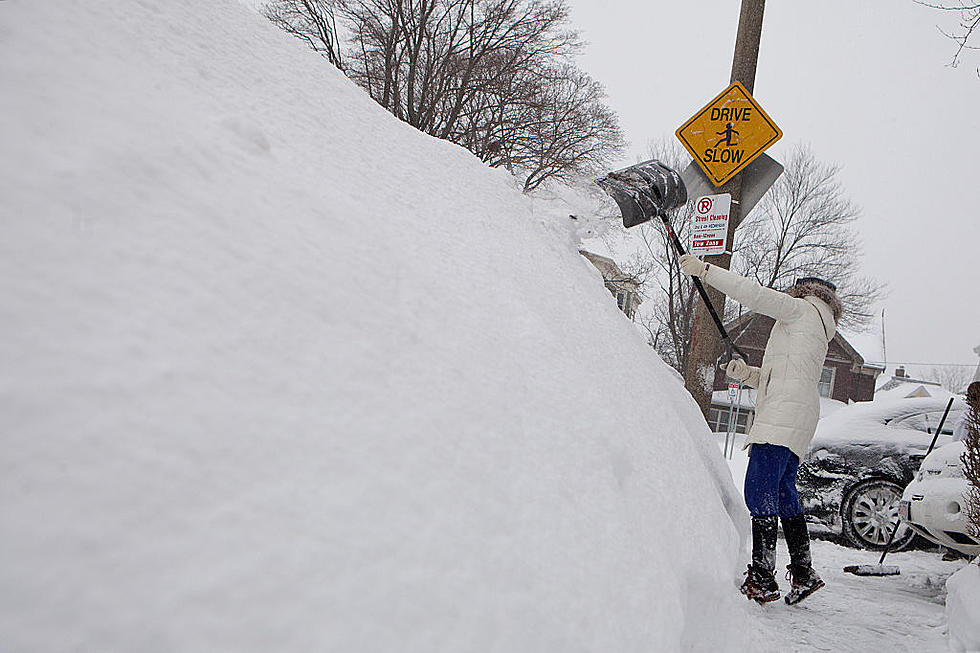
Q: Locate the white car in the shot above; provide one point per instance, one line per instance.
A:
(862, 456)
(934, 503)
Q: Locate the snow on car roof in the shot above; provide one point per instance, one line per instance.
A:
(882, 421)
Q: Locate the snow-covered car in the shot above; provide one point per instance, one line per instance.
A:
(860, 461)
(934, 503)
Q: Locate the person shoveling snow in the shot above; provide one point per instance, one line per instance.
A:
(787, 410)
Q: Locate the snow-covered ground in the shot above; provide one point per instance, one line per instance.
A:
(863, 613)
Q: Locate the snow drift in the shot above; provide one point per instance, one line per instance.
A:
(281, 373)
(963, 609)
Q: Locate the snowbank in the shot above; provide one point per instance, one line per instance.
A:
(281, 373)
(963, 609)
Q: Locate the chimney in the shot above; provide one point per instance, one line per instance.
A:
(900, 372)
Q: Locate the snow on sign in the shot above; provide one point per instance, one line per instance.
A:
(728, 134)
(709, 233)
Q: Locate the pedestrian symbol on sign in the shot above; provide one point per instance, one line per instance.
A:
(726, 135)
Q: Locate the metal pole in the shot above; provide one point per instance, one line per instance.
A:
(699, 372)
(731, 418)
(738, 411)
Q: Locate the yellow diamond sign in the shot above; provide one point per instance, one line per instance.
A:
(728, 134)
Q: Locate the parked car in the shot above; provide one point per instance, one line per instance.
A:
(860, 461)
(934, 503)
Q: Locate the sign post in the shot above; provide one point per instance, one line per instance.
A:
(734, 406)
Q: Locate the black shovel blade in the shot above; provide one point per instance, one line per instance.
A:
(644, 191)
(629, 206)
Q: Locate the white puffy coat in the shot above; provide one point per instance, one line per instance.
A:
(788, 403)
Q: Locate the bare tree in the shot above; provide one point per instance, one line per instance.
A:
(430, 61)
(310, 20)
(802, 227)
(494, 76)
(559, 128)
(969, 21)
(954, 378)
(971, 464)
(669, 296)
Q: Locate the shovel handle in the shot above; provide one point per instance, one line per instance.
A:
(939, 429)
(701, 291)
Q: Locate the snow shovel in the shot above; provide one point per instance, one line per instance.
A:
(644, 190)
(650, 189)
(893, 570)
(878, 569)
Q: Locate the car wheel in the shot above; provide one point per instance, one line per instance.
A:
(870, 512)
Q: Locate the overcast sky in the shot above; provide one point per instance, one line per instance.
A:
(867, 86)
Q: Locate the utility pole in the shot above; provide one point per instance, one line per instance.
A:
(699, 374)
(884, 348)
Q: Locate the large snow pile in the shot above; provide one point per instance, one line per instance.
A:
(963, 609)
(282, 374)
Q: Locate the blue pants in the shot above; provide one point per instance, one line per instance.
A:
(770, 481)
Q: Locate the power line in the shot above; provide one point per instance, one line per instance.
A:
(924, 364)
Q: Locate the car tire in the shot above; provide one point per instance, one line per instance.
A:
(869, 512)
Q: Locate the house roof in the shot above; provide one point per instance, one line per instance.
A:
(610, 271)
(911, 390)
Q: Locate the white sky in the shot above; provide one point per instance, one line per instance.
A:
(867, 85)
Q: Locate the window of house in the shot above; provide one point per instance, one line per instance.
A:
(719, 416)
(826, 385)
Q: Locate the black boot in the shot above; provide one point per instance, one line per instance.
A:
(764, 542)
(804, 580)
(760, 582)
(797, 540)
(760, 585)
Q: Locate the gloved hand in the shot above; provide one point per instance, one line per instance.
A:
(737, 369)
(692, 266)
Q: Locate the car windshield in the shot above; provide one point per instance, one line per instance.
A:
(927, 422)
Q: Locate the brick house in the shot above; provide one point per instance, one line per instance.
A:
(846, 377)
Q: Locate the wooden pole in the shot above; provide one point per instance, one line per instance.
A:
(706, 345)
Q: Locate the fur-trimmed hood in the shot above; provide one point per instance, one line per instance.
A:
(821, 292)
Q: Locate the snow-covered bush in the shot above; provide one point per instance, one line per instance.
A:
(971, 457)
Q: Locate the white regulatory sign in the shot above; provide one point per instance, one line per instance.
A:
(709, 233)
